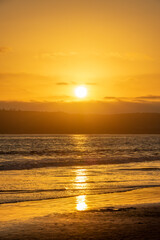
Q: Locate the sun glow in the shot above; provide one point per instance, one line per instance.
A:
(81, 92)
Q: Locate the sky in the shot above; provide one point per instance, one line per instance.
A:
(48, 48)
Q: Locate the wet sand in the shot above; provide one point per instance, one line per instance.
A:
(136, 221)
(131, 223)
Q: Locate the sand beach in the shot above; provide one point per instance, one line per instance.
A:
(116, 218)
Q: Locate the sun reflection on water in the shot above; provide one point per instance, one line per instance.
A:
(81, 178)
(80, 183)
(81, 203)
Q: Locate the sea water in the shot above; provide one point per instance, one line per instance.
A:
(41, 167)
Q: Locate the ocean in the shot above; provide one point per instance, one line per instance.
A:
(41, 167)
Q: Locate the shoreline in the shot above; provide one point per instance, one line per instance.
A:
(22, 211)
(96, 218)
(140, 223)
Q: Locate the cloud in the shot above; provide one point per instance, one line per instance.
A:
(26, 78)
(123, 56)
(62, 83)
(130, 56)
(74, 83)
(12, 85)
(149, 97)
(91, 84)
(59, 98)
(57, 55)
(140, 84)
(4, 50)
(111, 98)
(87, 84)
(108, 98)
(98, 107)
(146, 98)
(32, 80)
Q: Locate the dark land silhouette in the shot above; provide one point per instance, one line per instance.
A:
(28, 122)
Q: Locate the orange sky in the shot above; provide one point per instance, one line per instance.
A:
(47, 48)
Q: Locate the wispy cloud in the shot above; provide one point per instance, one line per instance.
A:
(12, 85)
(130, 56)
(146, 98)
(53, 55)
(4, 50)
(149, 97)
(53, 98)
(62, 83)
(110, 98)
(75, 83)
(125, 56)
(27, 78)
(91, 83)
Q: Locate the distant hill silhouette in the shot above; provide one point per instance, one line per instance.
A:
(27, 122)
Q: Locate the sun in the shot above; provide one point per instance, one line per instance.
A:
(81, 92)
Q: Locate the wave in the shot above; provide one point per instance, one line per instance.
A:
(27, 164)
(56, 152)
(38, 152)
(140, 169)
(131, 188)
(16, 191)
(30, 191)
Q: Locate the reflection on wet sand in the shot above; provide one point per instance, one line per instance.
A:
(81, 203)
(80, 183)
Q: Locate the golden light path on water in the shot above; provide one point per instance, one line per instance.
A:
(80, 183)
(81, 178)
